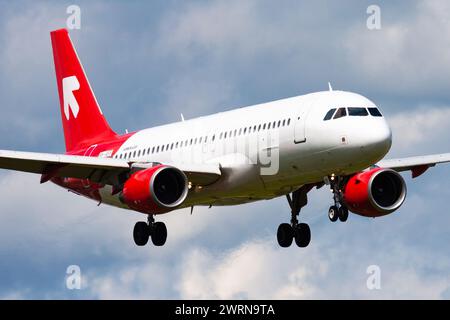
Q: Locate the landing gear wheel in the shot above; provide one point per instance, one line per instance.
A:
(159, 233)
(343, 214)
(302, 235)
(141, 233)
(333, 213)
(285, 235)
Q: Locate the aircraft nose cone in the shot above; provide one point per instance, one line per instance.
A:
(379, 140)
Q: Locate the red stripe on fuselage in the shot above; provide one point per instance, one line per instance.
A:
(95, 149)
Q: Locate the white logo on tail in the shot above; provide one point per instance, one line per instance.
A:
(70, 84)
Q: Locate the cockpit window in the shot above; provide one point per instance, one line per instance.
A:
(357, 112)
(375, 112)
(329, 114)
(340, 113)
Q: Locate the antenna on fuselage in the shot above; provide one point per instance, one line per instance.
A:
(330, 88)
(182, 117)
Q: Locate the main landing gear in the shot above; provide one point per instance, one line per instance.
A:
(157, 231)
(338, 210)
(300, 232)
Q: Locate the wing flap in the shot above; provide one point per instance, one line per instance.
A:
(60, 165)
(103, 170)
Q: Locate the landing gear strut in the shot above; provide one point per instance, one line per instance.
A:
(338, 210)
(157, 231)
(300, 232)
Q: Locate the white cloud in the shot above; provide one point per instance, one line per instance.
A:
(219, 27)
(260, 270)
(254, 270)
(424, 129)
(193, 95)
(27, 80)
(408, 54)
(27, 41)
(14, 295)
(36, 216)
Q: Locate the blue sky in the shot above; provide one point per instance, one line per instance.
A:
(150, 61)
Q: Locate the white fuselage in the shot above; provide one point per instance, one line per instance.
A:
(266, 150)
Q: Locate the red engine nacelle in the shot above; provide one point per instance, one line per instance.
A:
(155, 190)
(375, 193)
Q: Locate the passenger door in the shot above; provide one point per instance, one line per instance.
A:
(300, 126)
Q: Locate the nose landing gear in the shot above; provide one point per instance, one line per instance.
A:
(338, 210)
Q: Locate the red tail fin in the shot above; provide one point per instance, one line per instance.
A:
(83, 120)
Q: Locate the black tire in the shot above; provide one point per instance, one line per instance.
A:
(333, 213)
(302, 235)
(159, 234)
(343, 214)
(141, 233)
(285, 235)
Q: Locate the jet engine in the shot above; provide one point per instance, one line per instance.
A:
(375, 193)
(155, 190)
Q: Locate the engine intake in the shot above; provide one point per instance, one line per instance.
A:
(375, 193)
(155, 190)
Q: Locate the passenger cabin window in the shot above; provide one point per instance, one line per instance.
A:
(329, 114)
(375, 112)
(358, 112)
(340, 113)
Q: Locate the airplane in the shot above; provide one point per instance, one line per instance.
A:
(284, 148)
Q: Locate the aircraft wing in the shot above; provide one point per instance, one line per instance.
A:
(96, 169)
(418, 165)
